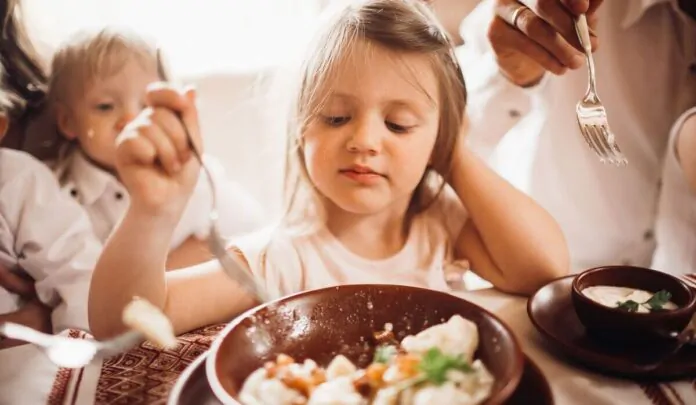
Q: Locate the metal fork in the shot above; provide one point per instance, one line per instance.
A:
(592, 116)
(71, 352)
(230, 264)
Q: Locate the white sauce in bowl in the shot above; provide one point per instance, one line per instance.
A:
(612, 296)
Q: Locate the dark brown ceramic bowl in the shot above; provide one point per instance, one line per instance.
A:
(617, 324)
(322, 323)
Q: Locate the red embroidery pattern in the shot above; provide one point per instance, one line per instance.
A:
(144, 375)
(60, 384)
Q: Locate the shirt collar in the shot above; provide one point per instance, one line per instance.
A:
(90, 181)
(637, 8)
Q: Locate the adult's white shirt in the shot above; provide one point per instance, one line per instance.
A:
(646, 76)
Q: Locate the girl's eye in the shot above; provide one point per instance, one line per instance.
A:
(105, 107)
(335, 121)
(399, 129)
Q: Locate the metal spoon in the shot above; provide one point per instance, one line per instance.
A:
(144, 319)
(70, 352)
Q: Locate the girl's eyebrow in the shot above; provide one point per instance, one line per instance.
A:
(109, 91)
(399, 102)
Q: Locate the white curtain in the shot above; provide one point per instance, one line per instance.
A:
(197, 36)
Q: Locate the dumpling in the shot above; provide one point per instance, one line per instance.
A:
(458, 336)
(338, 391)
(340, 366)
(259, 390)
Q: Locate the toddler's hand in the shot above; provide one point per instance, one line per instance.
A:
(153, 157)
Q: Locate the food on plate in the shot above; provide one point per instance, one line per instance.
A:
(630, 299)
(435, 366)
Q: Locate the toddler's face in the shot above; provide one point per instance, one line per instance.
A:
(96, 117)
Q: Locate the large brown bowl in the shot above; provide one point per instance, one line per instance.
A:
(322, 323)
(617, 324)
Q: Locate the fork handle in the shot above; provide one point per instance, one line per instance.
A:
(583, 32)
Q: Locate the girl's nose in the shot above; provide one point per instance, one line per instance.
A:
(366, 137)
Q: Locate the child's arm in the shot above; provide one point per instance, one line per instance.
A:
(190, 297)
(509, 239)
(156, 165)
(190, 253)
(686, 149)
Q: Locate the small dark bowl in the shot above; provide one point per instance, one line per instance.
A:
(322, 323)
(629, 327)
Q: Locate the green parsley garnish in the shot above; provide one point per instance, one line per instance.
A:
(434, 365)
(628, 306)
(384, 354)
(655, 303)
(658, 301)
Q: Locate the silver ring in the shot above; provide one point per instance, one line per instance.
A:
(516, 14)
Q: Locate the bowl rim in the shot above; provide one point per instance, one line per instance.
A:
(685, 310)
(221, 393)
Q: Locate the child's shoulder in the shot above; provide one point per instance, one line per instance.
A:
(25, 179)
(17, 165)
(683, 134)
(687, 122)
(25, 184)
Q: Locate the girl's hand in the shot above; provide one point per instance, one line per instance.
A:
(153, 157)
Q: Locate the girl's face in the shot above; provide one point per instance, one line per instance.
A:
(369, 147)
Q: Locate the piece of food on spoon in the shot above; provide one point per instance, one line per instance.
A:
(142, 316)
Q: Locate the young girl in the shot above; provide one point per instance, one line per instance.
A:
(675, 231)
(375, 135)
(97, 86)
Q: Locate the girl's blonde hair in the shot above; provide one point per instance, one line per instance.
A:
(400, 26)
(88, 56)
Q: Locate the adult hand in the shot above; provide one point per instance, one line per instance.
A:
(531, 37)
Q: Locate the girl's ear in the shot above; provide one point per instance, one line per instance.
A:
(65, 122)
